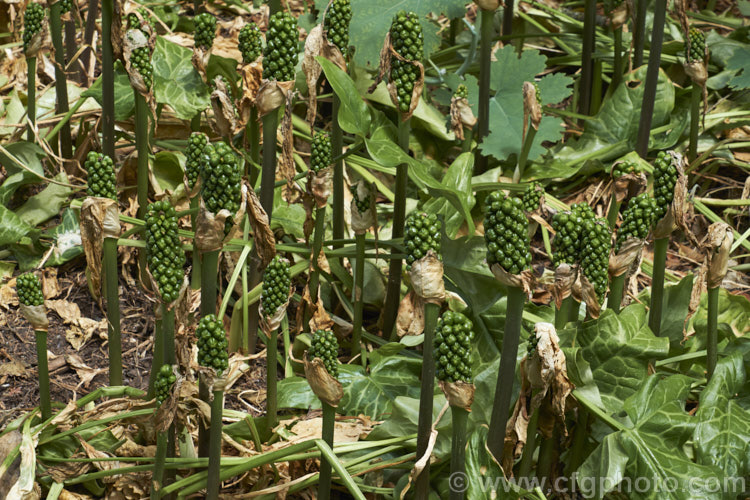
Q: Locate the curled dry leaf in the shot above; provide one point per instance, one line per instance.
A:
(719, 243)
(628, 185)
(319, 186)
(699, 285)
(252, 76)
(24, 487)
(532, 108)
(265, 243)
(456, 303)
(363, 221)
(271, 95)
(410, 318)
(427, 278)
(584, 292)
(134, 39)
(676, 216)
(620, 15)
(316, 44)
(286, 169)
(622, 261)
(100, 218)
(326, 388)
(422, 461)
(200, 61)
(36, 316)
(225, 116)
(84, 371)
(524, 281)
(459, 394)
(209, 229)
(461, 116)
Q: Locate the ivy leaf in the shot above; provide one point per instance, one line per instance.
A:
(740, 62)
(176, 82)
(46, 204)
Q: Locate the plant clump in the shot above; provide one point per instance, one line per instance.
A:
(569, 227)
(595, 246)
(454, 334)
(277, 281)
(102, 181)
(33, 18)
(408, 42)
(637, 219)
(325, 346)
(506, 233)
(29, 290)
(164, 252)
(165, 379)
(320, 153)
(212, 344)
(280, 55)
(250, 43)
(221, 179)
(194, 156)
(421, 234)
(205, 30)
(665, 180)
(532, 196)
(336, 24)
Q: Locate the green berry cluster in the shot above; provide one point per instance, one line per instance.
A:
(164, 252)
(421, 234)
(596, 242)
(408, 42)
(624, 168)
(140, 58)
(65, 6)
(212, 344)
(276, 284)
(362, 205)
(697, 50)
(194, 156)
(101, 176)
(325, 346)
(320, 152)
(221, 179)
(134, 23)
(531, 347)
(665, 180)
(280, 56)
(336, 24)
(532, 196)
(637, 219)
(29, 290)
(568, 227)
(205, 30)
(461, 92)
(33, 18)
(506, 233)
(250, 43)
(453, 336)
(165, 379)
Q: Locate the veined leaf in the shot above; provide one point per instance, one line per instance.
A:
(354, 117)
(176, 82)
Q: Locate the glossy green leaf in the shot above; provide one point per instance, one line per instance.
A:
(46, 204)
(30, 155)
(354, 117)
(176, 82)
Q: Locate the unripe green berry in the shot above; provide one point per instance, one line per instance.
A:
(532, 196)
(461, 92)
(212, 344)
(165, 379)
(637, 219)
(65, 6)
(277, 282)
(205, 30)
(325, 346)
(624, 168)
(164, 252)
(140, 59)
(29, 290)
(596, 242)
(568, 228)
(320, 152)
(454, 334)
(33, 19)
(408, 42)
(101, 176)
(280, 54)
(194, 156)
(422, 233)
(221, 180)
(506, 233)
(250, 43)
(665, 181)
(336, 24)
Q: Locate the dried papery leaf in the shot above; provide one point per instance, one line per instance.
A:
(36, 316)
(252, 77)
(384, 67)
(699, 285)
(271, 95)
(459, 394)
(363, 221)
(265, 243)
(422, 461)
(116, 33)
(319, 186)
(588, 295)
(225, 116)
(320, 319)
(316, 44)
(326, 388)
(719, 243)
(426, 276)
(676, 214)
(622, 261)
(532, 108)
(100, 218)
(489, 4)
(134, 39)
(524, 281)
(8, 443)
(620, 15)
(286, 168)
(416, 93)
(92, 452)
(456, 303)
(200, 61)
(461, 116)
(565, 278)
(628, 185)
(24, 487)
(410, 318)
(209, 229)
(84, 371)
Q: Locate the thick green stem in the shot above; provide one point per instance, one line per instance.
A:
(485, 56)
(424, 425)
(252, 140)
(578, 448)
(458, 448)
(639, 32)
(113, 311)
(167, 331)
(393, 291)
(563, 314)
(587, 61)
(530, 447)
(31, 96)
(329, 420)
(161, 456)
(209, 282)
(337, 141)
(204, 438)
(695, 120)
(61, 81)
(41, 356)
(614, 211)
(547, 454)
(108, 81)
(320, 227)
(616, 290)
(272, 365)
(507, 372)
(712, 339)
(195, 274)
(596, 87)
(214, 454)
(657, 284)
(157, 358)
(652, 78)
(618, 66)
(143, 152)
(357, 295)
(508, 18)
(528, 141)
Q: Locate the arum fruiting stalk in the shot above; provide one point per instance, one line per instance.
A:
(426, 394)
(108, 81)
(29, 290)
(143, 149)
(357, 299)
(165, 379)
(617, 69)
(113, 311)
(42, 366)
(61, 83)
(31, 96)
(587, 61)
(712, 337)
(320, 160)
(695, 54)
(213, 483)
(639, 32)
(458, 447)
(33, 19)
(485, 55)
